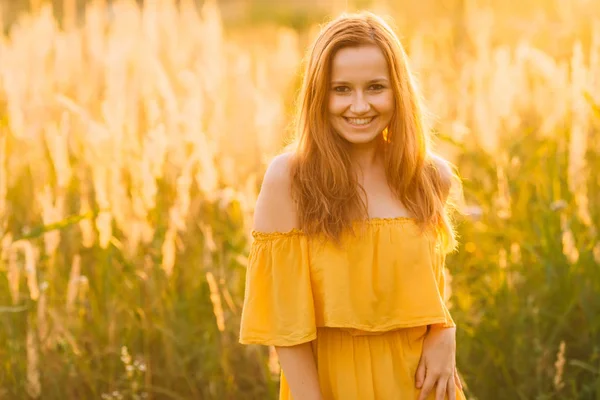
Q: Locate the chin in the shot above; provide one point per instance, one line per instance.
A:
(354, 137)
(362, 138)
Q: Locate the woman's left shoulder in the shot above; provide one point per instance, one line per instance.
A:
(444, 171)
(443, 166)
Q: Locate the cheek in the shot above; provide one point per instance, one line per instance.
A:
(385, 103)
(336, 104)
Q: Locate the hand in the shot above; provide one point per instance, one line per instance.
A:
(437, 367)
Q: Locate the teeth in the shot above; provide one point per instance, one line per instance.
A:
(359, 121)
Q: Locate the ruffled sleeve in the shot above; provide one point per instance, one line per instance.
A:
(278, 302)
(443, 288)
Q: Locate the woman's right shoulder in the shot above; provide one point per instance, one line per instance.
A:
(278, 172)
(275, 210)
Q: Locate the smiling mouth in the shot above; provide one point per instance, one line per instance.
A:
(359, 121)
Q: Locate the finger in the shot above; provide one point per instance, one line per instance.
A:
(427, 386)
(440, 390)
(457, 379)
(451, 387)
(420, 375)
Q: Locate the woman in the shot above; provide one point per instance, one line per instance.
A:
(346, 273)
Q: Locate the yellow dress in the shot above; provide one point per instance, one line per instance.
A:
(365, 305)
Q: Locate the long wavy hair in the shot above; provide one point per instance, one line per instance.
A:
(324, 184)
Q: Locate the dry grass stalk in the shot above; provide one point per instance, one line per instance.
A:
(503, 199)
(578, 144)
(86, 225)
(3, 172)
(215, 298)
(30, 268)
(559, 366)
(52, 211)
(274, 366)
(515, 253)
(42, 321)
(448, 287)
(33, 385)
(229, 300)
(69, 14)
(169, 252)
(503, 258)
(60, 329)
(596, 252)
(73, 284)
(57, 141)
(104, 226)
(14, 270)
(13, 273)
(2, 13)
(568, 241)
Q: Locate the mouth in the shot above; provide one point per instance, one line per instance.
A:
(360, 122)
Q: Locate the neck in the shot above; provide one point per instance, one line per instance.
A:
(364, 156)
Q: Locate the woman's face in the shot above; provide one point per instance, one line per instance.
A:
(361, 100)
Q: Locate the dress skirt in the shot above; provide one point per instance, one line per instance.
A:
(358, 365)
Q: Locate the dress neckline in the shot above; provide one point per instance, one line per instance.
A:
(375, 221)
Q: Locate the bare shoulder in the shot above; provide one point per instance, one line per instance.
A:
(443, 166)
(275, 210)
(445, 172)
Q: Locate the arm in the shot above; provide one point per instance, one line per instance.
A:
(437, 371)
(300, 369)
(275, 212)
(437, 368)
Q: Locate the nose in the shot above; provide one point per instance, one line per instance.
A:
(359, 104)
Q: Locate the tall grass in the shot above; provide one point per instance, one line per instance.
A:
(131, 146)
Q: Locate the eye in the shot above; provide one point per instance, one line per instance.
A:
(377, 87)
(341, 89)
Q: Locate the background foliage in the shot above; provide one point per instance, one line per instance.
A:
(132, 141)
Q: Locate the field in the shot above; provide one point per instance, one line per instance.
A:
(132, 145)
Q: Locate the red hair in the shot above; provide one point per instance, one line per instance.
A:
(324, 186)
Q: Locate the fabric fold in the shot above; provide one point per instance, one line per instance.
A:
(387, 276)
(443, 291)
(278, 303)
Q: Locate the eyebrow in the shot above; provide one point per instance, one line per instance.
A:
(369, 82)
